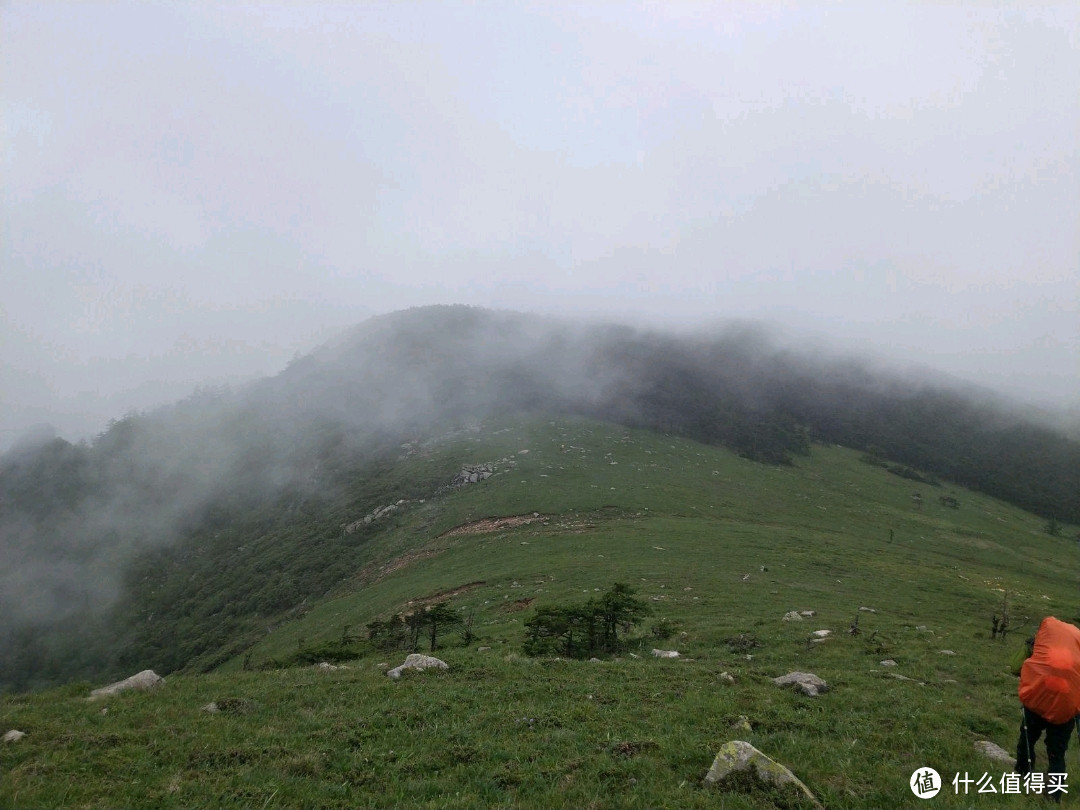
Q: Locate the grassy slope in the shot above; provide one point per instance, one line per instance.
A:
(681, 522)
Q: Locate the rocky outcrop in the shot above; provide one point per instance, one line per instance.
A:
(371, 517)
(806, 682)
(995, 752)
(147, 679)
(473, 474)
(419, 663)
(737, 757)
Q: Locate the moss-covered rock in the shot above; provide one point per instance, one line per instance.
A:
(737, 758)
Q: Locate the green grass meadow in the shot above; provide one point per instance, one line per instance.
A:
(720, 545)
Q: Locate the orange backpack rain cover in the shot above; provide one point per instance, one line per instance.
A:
(1050, 678)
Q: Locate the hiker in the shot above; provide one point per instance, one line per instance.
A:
(1050, 693)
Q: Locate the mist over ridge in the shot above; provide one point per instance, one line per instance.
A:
(74, 517)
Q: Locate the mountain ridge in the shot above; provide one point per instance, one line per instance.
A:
(86, 527)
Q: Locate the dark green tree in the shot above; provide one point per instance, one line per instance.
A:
(439, 617)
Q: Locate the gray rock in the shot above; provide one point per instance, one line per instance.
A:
(823, 633)
(867, 610)
(482, 649)
(326, 666)
(210, 708)
(728, 678)
(738, 756)
(946, 652)
(793, 616)
(13, 736)
(742, 725)
(419, 663)
(995, 752)
(147, 679)
(808, 614)
(665, 653)
(806, 682)
(888, 662)
(896, 676)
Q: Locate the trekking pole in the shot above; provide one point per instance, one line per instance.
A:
(1076, 725)
(1027, 739)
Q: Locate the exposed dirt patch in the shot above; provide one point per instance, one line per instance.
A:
(492, 525)
(372, 573)
(631, 748)
(520, 604)
(441, 595)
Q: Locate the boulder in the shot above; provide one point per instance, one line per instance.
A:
(805, 682)
(665, 653)
(793, 616)
(13, 736)
(419, 663)
(147, 679)
(737, 756)
(995, 752)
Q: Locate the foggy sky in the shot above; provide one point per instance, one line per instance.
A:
(195, 193)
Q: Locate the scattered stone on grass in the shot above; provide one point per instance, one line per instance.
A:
(793, 616)
(666, 653)
(147, 679)
(806, 682)
(14, 736)
(995, 752)
(594, 660)
(742, 725)
(823, 633)
(738, 757)
(482, 649)
(326, 666)
(728, 678)
(808, 614)
(888, 662)
(419, 663)
(228, 705)
(867, 610)
(898, 677)
(946, 652)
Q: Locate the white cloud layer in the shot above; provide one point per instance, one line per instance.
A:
(195, 192)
